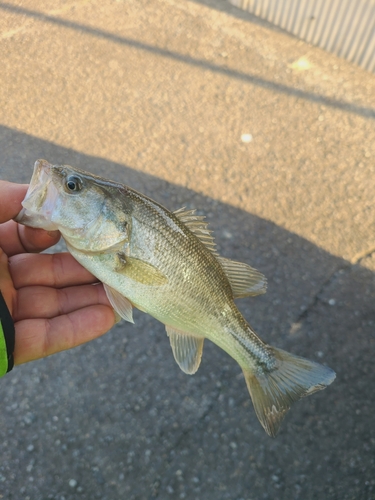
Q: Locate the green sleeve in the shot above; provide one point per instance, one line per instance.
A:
(3, 353)
(7, 338)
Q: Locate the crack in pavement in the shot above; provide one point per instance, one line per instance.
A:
(166, 477)
(355, 261)
(304, 314)
(159, 479)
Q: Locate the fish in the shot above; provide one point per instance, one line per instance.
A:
(165, 263)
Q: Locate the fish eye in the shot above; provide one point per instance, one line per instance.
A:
(73, 184)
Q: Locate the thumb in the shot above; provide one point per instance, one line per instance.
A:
(6, 284)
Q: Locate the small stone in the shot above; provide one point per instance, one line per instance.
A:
(72, 483)
(29, 418)
(246, 138)
(301, 64)
(331, 302)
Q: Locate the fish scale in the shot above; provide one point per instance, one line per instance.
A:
(190, 279)
(165, 264)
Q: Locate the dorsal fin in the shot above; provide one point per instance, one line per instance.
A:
(198, 226)
(244, 279)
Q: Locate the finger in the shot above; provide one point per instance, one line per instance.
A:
(36, 240)
(11, 196)
(16, 238)
(45, 302)
(6, 283)
(37, 338)
(57, 270)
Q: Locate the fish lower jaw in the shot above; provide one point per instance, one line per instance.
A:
(33, 219)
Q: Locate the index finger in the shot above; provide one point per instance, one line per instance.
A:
(10, 200)
(16, 238)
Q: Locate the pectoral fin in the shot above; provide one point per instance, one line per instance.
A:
(119, 303)
(140, 271)
(187, 350)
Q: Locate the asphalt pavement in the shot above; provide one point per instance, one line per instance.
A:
(198, 104)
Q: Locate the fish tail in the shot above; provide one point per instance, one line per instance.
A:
(274, 390)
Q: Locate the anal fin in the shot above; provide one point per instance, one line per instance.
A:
(187, 350)
(119, 303)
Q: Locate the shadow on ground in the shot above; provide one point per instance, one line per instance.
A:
(117, 419)
(222, 5)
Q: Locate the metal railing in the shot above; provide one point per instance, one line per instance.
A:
(344, 27)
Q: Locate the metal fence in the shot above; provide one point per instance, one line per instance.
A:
(344, 27)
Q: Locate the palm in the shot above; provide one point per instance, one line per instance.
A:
(54, 302)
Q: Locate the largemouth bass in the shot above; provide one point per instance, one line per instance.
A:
(165, 263)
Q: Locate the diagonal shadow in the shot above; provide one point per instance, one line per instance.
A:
(120, 399)
(198, 63)
(240, 235)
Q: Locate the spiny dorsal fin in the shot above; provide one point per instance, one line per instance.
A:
(244, 279)
(187, 350)
(198, 226)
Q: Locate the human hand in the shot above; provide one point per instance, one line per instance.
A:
(54, 302)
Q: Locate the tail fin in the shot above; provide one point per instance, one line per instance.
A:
(273, 392)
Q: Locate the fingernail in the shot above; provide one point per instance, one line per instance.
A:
(52, 234)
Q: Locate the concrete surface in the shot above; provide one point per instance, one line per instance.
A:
(158, 95)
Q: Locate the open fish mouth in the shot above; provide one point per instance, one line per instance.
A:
(40, 198)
